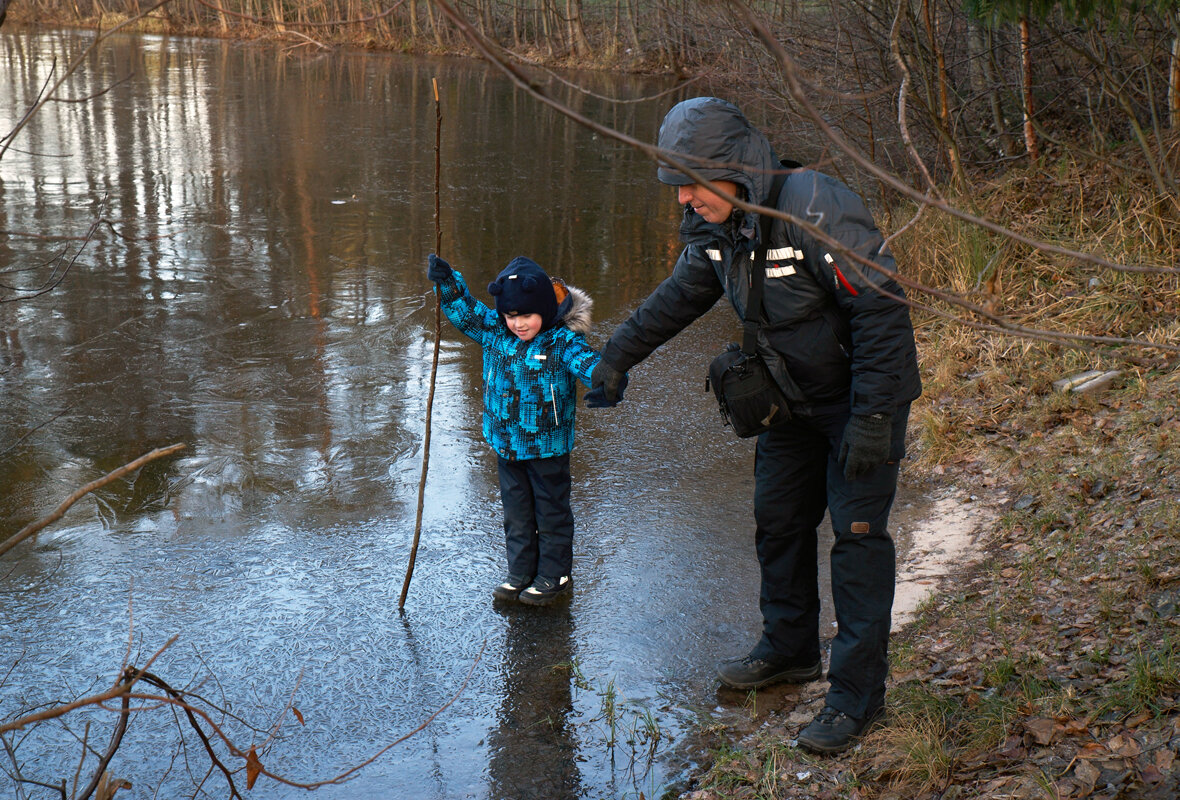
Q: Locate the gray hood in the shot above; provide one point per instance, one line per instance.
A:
(709, 129)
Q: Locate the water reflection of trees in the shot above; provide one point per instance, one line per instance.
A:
(265, 304)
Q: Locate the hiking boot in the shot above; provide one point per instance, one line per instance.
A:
(512, 586)
(546, 591)
(752, 672)
(833, 731)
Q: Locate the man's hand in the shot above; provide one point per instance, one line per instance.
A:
(438, 270)
(865, 444)
(606, 386)
(596, 397)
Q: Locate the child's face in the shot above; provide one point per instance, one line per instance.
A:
(525, 326)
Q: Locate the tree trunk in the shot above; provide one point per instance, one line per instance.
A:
(1030, 134)
(276, 13)
(1174, 84)
(577, 31)
(435, 25)
(944, 111)
(554, 37)
(547, 33)
(995, 99)
(630, 13)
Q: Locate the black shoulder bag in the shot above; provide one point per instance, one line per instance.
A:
(750, 400)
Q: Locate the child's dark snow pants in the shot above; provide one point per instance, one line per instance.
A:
(538, 521)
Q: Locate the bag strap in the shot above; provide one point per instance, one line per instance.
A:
(758, 271)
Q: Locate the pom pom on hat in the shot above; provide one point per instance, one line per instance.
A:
(524, 288)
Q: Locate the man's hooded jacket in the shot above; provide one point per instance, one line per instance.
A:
(829, 336)
(529, 391)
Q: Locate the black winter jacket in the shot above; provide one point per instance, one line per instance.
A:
(829, 337)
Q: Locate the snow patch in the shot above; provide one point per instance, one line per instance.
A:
(943, 540)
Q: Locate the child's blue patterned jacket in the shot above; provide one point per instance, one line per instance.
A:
(529, 394)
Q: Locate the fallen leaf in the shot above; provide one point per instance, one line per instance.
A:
(1124, 746)
(1150, 775)
(298, 715)
(1043, 730)
(1087, 774)
(253, 767)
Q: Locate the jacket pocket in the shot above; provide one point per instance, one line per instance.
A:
(815, 358)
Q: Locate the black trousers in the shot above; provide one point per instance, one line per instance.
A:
(538, 521)
(797, 477)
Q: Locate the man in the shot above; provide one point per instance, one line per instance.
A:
(840, 345)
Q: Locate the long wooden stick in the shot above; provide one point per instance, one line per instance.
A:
(401, 602)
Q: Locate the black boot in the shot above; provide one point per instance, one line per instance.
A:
(512, 586)
(546, 591)
(754, 672)
(833, 731)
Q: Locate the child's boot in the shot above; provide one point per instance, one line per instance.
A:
(512, 586)
(546, 591)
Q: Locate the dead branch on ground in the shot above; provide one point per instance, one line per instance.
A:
(60, 511)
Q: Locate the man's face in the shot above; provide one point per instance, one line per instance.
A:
(710, 205)
(525, 326)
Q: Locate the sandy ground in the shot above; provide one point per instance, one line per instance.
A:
(942, 537)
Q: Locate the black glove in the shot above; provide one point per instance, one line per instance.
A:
(604, 384)
(865, 444)
(439, 270)
(596, 397)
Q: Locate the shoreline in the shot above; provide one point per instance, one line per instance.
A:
(292, 38)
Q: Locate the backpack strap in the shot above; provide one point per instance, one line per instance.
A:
(758, 271)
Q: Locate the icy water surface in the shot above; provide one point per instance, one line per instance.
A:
(261, 298)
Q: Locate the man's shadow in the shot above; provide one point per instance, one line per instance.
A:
(532, 750)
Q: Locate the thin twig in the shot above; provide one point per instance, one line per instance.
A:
(342, 776)
(158, 682)
(92, 96)
(16, 773)
(101, 37)
(34, 429)
(82, 759)
(60, 710)
(116, 739)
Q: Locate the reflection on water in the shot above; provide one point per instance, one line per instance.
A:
(260, 296)
(533, 721)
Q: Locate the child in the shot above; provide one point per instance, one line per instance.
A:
(533, 351)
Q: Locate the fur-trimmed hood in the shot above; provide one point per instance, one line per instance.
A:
(573, 307)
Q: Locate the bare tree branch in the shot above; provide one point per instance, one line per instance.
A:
(45, 96)
(289, 24)
(787, 65)
(996, 324)
(61, 709)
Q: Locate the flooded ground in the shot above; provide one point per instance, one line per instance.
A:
(260, 296)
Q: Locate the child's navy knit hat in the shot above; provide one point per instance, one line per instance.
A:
(524, 288)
